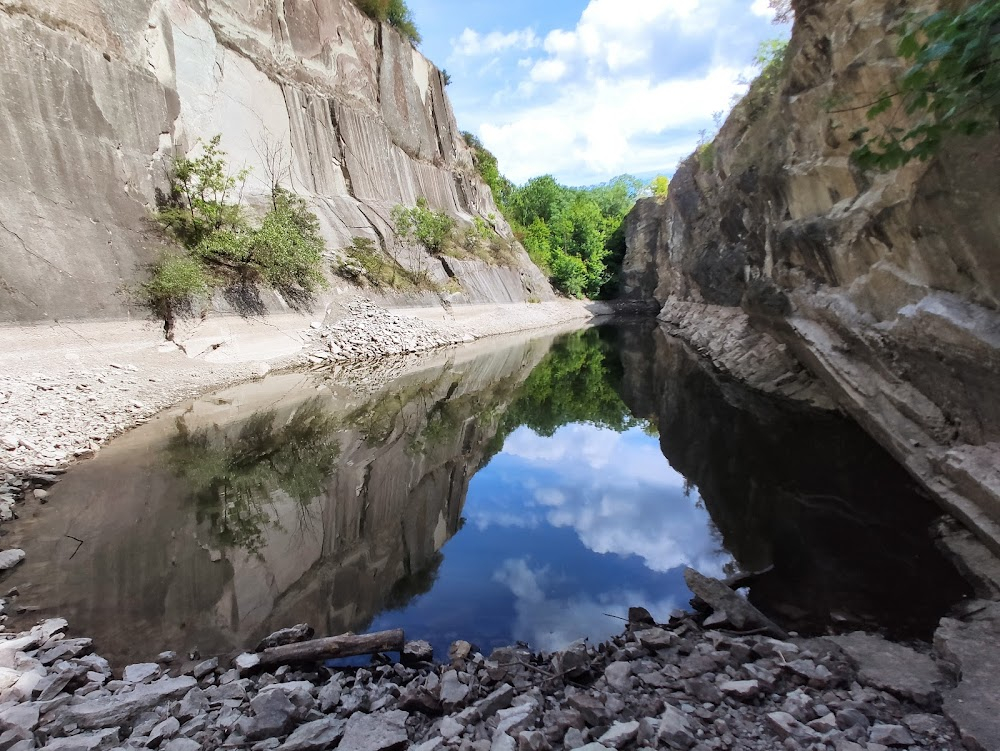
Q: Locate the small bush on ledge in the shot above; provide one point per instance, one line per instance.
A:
(365, 264)
(222, 247)
(420, 223)
(441, 235)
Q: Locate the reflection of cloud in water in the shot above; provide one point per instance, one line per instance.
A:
(483, 519)
(616, 491)
(551, 624)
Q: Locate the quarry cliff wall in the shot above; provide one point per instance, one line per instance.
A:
(97, 97)
(885, 285)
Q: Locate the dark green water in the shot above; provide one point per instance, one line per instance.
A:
(529, 493)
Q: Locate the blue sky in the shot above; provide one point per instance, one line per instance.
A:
(589, 89)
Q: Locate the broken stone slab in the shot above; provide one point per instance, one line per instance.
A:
(272, 716)
(503, 742)
(656, 638)
(592, 708)
(620, 735)
(972, 647)
(499, 699)
(24, 715)
(619, 676)
(415, 652)
(140, 672)
(204, 668)
(514, 719)
(741, 614)
(895, 668)
(376, 732)
(786, 726)
(181, 744)
(194, 703)
(674, 729)
(97, 741)
(10, 558)
(10, 648)
(453, 692)
(316, 735)
(108, 711)
(890, 735)
(742, 690)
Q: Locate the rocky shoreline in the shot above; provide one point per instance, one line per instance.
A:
(92, 391)
(680, 685)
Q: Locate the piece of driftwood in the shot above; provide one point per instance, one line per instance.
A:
(318, 650)
(738, 612)
(291, 635)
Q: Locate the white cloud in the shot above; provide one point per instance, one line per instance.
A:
(763, 9)
(550, 624)
(471, 43)
(618, 494)
(595, 128)
(548, 71)
(626, 89)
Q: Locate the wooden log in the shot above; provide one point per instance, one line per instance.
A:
(722, 599)
(292, 635)
(318, 650)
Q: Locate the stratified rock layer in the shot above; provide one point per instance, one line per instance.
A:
(885, 286)
(95, 99)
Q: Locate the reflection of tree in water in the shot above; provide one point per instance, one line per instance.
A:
(414, 583)
(577, 382)
(232, 479)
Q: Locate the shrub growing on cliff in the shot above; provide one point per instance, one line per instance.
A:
(770, 61)
(176, 282)
(200, 191)
(204, 212)
(952, 85)
(287, 248)
(489, 170)
(366, 264)
(660, 187)
(422, 224)
(393, 12)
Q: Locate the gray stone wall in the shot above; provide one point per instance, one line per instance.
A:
(95, 99)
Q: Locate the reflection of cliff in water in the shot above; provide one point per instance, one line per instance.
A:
(325, 509)
(807, 492)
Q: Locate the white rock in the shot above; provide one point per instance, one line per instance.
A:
(140, 672)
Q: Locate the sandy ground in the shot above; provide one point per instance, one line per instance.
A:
(67, 388)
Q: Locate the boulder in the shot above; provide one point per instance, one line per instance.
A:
(316, 735)
(385, 731)
(893, 667)
(108, 711)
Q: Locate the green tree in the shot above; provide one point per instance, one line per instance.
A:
(952, 86)
(203, 210)
(200, 191)
(489, 170)
(288, 248)
(660, 186)
(540, 198)
(176, 282)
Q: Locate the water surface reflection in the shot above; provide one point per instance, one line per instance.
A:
(515, 494)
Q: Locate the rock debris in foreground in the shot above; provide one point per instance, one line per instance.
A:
(674, 686)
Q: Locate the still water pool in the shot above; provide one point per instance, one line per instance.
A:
(519, 490)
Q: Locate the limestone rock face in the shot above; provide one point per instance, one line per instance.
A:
(96, 97)
(885, 286)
